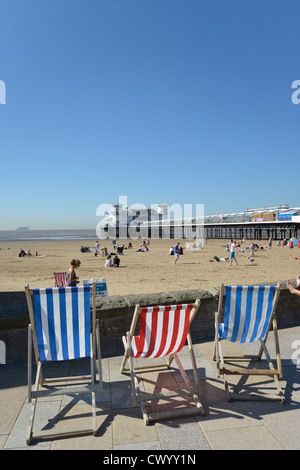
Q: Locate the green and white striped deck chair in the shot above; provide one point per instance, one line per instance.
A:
(62, 327)
(249, 313)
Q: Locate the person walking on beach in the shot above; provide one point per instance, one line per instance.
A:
(96, 248)
(176, 252)
(232, 252)
(72, 279)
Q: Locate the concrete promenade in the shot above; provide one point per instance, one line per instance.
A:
(246, 425)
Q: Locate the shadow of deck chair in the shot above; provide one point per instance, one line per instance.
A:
(60, 279)
(250, 312)
(163, 332)
(63, 327)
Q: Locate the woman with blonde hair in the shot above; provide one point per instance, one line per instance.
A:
(72, 279)
(108, 262)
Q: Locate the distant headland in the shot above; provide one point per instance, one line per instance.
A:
(23, 228)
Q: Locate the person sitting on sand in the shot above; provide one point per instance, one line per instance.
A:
(143, 248)
(108, 262)
(72, 279)
(116, 262)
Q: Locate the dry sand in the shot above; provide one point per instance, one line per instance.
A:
(149, 272)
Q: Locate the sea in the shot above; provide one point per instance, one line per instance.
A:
(62, 234)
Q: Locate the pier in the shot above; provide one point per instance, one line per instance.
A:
(276, 223)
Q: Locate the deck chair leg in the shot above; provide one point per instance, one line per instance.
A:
(29, 363)
(95, 429)
(197, 380)
(220, 360)
(214, 355)
(278, 357)
(127, 345)
(99, 357)
(170, 360)
(217, 326)
(132, 373)
(193, 360)
(221, 364)
(33, 406)
(188, 383)
(94, 419)
(124, 360)
(276, 377)
(30, 427)
(263, 348)
(216, 351)
(144, 413)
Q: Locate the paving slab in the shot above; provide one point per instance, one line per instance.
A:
(234, 425)
(244, 438)
(128, 427)
(182, 437)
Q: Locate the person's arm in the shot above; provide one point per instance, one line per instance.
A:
(292, 288)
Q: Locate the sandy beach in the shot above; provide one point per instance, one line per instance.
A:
(153, 271)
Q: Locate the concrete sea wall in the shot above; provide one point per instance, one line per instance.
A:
(115, 315)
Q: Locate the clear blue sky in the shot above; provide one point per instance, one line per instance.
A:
(175, 101)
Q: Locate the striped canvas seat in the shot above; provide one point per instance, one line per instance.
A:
(63, 322)
(164, 331)
(247, 313)
(60, 279)
(63, 327)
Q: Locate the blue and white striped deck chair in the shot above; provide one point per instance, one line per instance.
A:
(63, 327)
(249, 313)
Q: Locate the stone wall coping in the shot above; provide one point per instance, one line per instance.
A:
(14, 311)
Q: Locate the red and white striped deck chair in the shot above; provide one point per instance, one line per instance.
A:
(163, 332)
(60, 279)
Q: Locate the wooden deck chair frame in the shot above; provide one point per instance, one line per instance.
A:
(224, 369)
(140, 398)
(91, 385)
